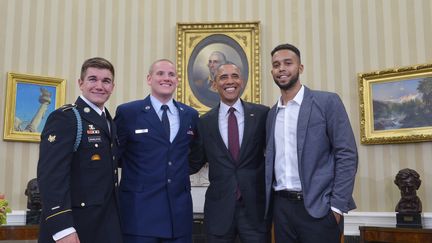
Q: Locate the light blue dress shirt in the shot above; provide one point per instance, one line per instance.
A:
(173, 115)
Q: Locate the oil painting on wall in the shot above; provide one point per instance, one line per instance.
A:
(29, 101)
(396, 105)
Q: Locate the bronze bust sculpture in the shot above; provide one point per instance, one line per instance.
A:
(33, 202)
(409, 206)
(33, 195)
(408, 181)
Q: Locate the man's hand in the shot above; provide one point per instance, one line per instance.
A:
(337, 217)
(72, 238)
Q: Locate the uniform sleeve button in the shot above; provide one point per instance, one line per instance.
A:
(96, 145)
(82, 204)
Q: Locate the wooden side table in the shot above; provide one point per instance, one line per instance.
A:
(19, 232)
(395, 235)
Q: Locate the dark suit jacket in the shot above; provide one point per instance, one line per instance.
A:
(79, 189)
(224, 176)
(155, 198)
(327, 153)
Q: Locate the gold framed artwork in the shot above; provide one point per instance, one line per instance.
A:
(29, 100)
(396, 105)
(202, 46)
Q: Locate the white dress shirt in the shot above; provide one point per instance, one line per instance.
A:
(285, 135)
(223, 120)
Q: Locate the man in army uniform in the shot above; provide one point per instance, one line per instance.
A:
(79, 189)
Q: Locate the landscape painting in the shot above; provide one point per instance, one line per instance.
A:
(396, 105)
(402, 104)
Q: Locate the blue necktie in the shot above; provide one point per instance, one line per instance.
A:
(165, 120)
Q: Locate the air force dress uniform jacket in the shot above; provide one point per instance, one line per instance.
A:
(155, 198)
(79, 189)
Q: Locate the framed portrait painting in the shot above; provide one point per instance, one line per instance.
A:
(201, 47)
(396, 105)
(29, 101)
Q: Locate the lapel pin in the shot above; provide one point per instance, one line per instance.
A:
(86, 110)
(51, 138)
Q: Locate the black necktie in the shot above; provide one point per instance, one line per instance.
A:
(107, 122)
(165, 120)
(233, 135)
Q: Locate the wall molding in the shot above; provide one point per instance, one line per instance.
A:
(352, 220)
(381, 219)
(16, 217)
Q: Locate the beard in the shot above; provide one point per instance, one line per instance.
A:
(288, 85)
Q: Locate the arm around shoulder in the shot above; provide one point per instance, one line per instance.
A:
(197, 157)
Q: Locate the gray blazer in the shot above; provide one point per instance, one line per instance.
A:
(327, 154)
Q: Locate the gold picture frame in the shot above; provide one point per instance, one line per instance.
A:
(29, 100)
(196, 42)
(396, 105)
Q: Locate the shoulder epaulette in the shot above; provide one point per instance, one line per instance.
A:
(67, 107)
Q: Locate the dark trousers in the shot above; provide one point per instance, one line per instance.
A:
(293, 224)
(240, 227)
(143, 239)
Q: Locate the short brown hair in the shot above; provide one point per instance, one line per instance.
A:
(96, 62)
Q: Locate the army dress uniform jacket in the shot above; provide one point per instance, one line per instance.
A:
(79, 189)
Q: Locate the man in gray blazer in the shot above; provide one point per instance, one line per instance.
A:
(231, 137)
(311, 157)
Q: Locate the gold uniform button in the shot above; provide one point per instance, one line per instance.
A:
(82, 204)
